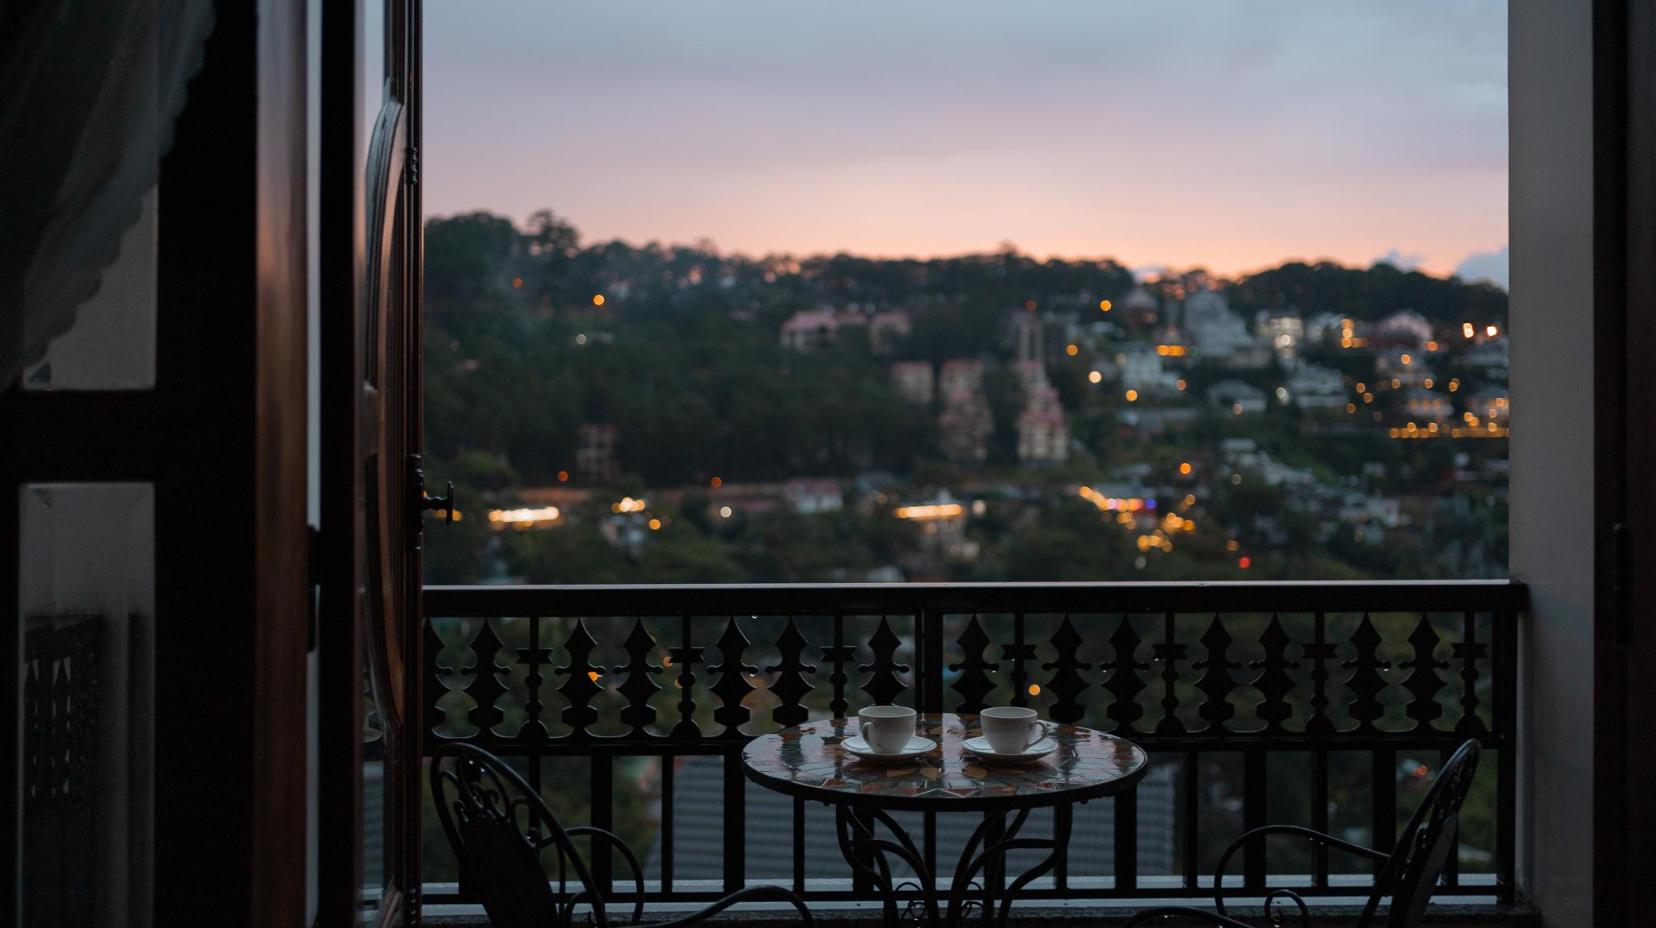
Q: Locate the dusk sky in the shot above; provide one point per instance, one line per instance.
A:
(1231, 135)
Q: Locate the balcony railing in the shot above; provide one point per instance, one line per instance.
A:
(1323, 704)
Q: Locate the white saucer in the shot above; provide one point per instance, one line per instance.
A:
(916, 747)
(979, 747)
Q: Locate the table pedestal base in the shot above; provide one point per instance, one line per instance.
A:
(975, 892)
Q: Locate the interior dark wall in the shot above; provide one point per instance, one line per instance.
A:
(1625, 321)
(221, 438)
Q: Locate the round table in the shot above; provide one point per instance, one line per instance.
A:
(807, 761)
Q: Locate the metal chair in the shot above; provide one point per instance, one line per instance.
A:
(500, 827)
(1411, 870)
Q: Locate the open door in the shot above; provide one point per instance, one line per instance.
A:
(372, 497)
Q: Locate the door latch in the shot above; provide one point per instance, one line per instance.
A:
(425, 502)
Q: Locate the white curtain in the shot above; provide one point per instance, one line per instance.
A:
(89, 91)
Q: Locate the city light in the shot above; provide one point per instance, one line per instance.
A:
(1244, 562)
(930, 512)
(1181, 384)
(597, 299)
(1184, 468)
(1171, 351)
(1466, 329)
(716, 482)
(1104, 305)
(655, 525)
(1095, 376)
(517, 283)
(563, 476)
(524, 518)
(1132, 396)
(1072, 349)
(1122, 504)
(724, 512)
(1492, 331)
(627, 504)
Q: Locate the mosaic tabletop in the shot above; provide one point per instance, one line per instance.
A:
(808, 761)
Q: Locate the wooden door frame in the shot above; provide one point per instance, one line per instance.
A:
(342, 269)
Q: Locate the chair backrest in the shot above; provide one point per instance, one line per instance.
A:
(1423, 850)
(499, 827)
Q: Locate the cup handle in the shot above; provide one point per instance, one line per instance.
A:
(862, 729)
(1037, 731)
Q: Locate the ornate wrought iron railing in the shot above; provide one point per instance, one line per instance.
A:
(1326, 704)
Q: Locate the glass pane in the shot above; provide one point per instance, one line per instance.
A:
(87, 602)
(378, 777)
(111, 345)
(373, 69)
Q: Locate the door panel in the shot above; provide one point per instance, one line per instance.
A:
(370, 619)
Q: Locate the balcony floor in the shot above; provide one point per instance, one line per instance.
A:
(1445, 916)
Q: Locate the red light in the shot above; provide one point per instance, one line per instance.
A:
(1420, 772)
(1244, 562)
(563, 476)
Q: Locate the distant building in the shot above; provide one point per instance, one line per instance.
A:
(1216, 331)
(887, 330)
(961, 377)
(1273, 472)
(942, 522)
(914, 381)
(1374, 511)
(595, 457)
(1407, 367)
(1427, 405)
(1140, 308)
(1490, 405)
(1322, 328)
(1154, 420)
(813, 495)
(1313, 387)
(1240, 398)
(1251, 356)
(1407, 329)
(1489, 353)
(1143, 369)
(1282, 330)
(810, 329)
(1043, 437)
(963, 431)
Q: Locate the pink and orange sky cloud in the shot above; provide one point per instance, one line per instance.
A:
(1159, 132)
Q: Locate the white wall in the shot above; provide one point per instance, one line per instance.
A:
(1552, 444)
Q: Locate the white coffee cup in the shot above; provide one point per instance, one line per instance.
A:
(1012, 729)
(887, 729)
